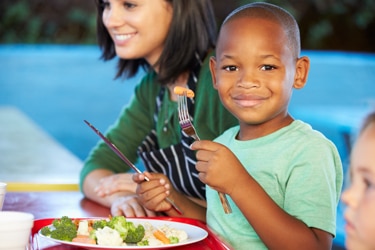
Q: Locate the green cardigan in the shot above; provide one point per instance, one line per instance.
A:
(137, 120)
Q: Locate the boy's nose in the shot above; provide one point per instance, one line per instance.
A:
(248, 80)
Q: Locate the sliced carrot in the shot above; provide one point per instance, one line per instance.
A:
(84, 239)
(181, 91)
(161, 236)
(75, 221)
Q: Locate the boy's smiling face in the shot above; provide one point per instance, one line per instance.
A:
(255, 72)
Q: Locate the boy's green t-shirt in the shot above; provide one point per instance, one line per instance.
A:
(299, 169)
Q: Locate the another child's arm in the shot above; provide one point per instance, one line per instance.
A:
(220, 169)
(152, 194)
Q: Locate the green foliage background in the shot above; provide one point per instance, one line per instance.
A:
(325, 24)
(47, 21)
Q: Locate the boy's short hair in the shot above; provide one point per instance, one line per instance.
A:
(272, 13)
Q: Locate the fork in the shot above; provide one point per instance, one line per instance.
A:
(188, 127)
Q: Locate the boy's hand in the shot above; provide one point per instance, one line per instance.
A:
(218, 167)
(152, 194)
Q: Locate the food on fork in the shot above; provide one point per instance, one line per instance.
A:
(182, 91)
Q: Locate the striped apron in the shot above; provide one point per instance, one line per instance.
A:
(178, 161)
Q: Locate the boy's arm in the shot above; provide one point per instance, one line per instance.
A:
(273, 225)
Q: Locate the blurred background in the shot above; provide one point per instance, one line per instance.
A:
(48, 49)
(50, 69)
(325, 24)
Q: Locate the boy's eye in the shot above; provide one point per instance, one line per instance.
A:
(230, 68)
(268, 67)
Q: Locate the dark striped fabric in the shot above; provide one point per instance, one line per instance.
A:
(177, 162)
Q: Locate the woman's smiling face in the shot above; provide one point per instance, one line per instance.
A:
(138, 28)
(360, 196)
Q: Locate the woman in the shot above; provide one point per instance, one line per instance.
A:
(172, 40)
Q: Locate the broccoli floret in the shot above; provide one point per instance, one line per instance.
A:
(128, 231)
(63, 221)
(46, 231)
(119, 223)
(99, 224)
(174, 240)
(66, 233)
(65, 229)
(143, 243)
(135, 234)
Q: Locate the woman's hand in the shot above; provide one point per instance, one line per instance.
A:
(152, 194)
(129, 206)
(115, 183)
(119, 189)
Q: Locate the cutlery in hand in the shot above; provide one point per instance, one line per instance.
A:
(126, 160)
(189, 129)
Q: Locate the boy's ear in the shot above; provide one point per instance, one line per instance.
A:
(212, 69)
(302, 72)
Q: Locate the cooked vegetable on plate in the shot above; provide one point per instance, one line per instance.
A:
(114, 231)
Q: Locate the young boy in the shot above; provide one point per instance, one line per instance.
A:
(282, 178)
(360, 196)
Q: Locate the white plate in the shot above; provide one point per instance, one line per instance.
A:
(195, 234)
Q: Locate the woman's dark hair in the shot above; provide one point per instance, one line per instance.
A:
(192, 34)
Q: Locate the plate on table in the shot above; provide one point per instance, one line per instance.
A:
(195, 234)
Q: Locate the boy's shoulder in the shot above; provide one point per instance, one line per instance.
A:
(303, 136)
(303, 129)
(297, 130)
